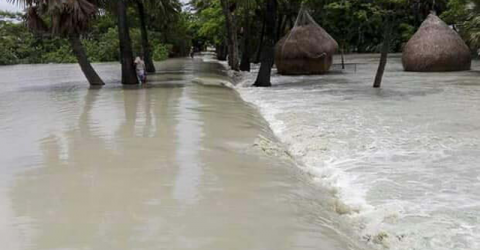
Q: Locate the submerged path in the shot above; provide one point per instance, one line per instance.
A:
(170, 166)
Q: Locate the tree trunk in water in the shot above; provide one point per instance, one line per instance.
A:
(343, 55)
(384, 56)
(231, 35)
(268, 50)
(147, 52)
(221, 51)
(245, 64)
(83, 61)
(260, 45)
(129, 75)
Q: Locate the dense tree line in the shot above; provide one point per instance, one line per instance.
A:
(20, 46)
(243, 31)
(359, 26)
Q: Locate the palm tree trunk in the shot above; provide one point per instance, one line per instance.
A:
(231, 36)
(268, 51)
(282, 28)
(221, 51)
(280, 21)
(83, 61)
(245, 64)
(129, 75)
(147, 53)
(260, 45)
(384, 55)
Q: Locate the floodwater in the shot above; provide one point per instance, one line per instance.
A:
(402, 161)
(172, 165)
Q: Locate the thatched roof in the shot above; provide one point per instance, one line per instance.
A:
(436, 47)
(306, 49)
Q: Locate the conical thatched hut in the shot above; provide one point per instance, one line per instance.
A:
(306, 49)
(436, 47)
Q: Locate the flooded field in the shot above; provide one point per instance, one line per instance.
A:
(172, 165)
(403, 162)
(178, 165)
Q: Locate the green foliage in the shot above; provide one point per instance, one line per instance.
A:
(407, 31)
(19, 45)
(356, 25)
(178, 35)
(359, 25)
(211, 23)
(7, 56)
(207, 26)
(63, 54)
(161, 52)
(464, 15)
(104, 48)
(170, 28)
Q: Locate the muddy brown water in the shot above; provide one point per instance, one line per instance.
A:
(173, 165)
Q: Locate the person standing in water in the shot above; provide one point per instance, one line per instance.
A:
(192, 52)
(140, 68)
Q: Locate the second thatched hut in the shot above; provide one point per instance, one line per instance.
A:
(307, 49)
(435, 48)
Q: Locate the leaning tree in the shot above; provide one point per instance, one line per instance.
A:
(67, 19)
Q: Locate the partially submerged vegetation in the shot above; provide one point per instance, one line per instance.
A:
(242, 31)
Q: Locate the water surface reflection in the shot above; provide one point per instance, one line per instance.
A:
(170, 166)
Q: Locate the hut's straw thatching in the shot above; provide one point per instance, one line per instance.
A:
(436, 47)
(306, 49)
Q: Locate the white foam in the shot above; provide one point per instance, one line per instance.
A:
(402, 161)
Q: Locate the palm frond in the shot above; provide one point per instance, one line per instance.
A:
(34, 22)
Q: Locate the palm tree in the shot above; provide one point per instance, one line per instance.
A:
(119, 9)
(248, 6)
(68, 19)
(268, 50)
(228, 7)
(129, 75)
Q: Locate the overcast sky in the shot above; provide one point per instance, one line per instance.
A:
(8, 6)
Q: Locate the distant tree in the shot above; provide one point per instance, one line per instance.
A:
(268, 50)
(393, 11)
(228, 7)
(248, 6)
(464, 15)
(384, 53)
(208, 25)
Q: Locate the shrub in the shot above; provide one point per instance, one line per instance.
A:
(161, 51)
